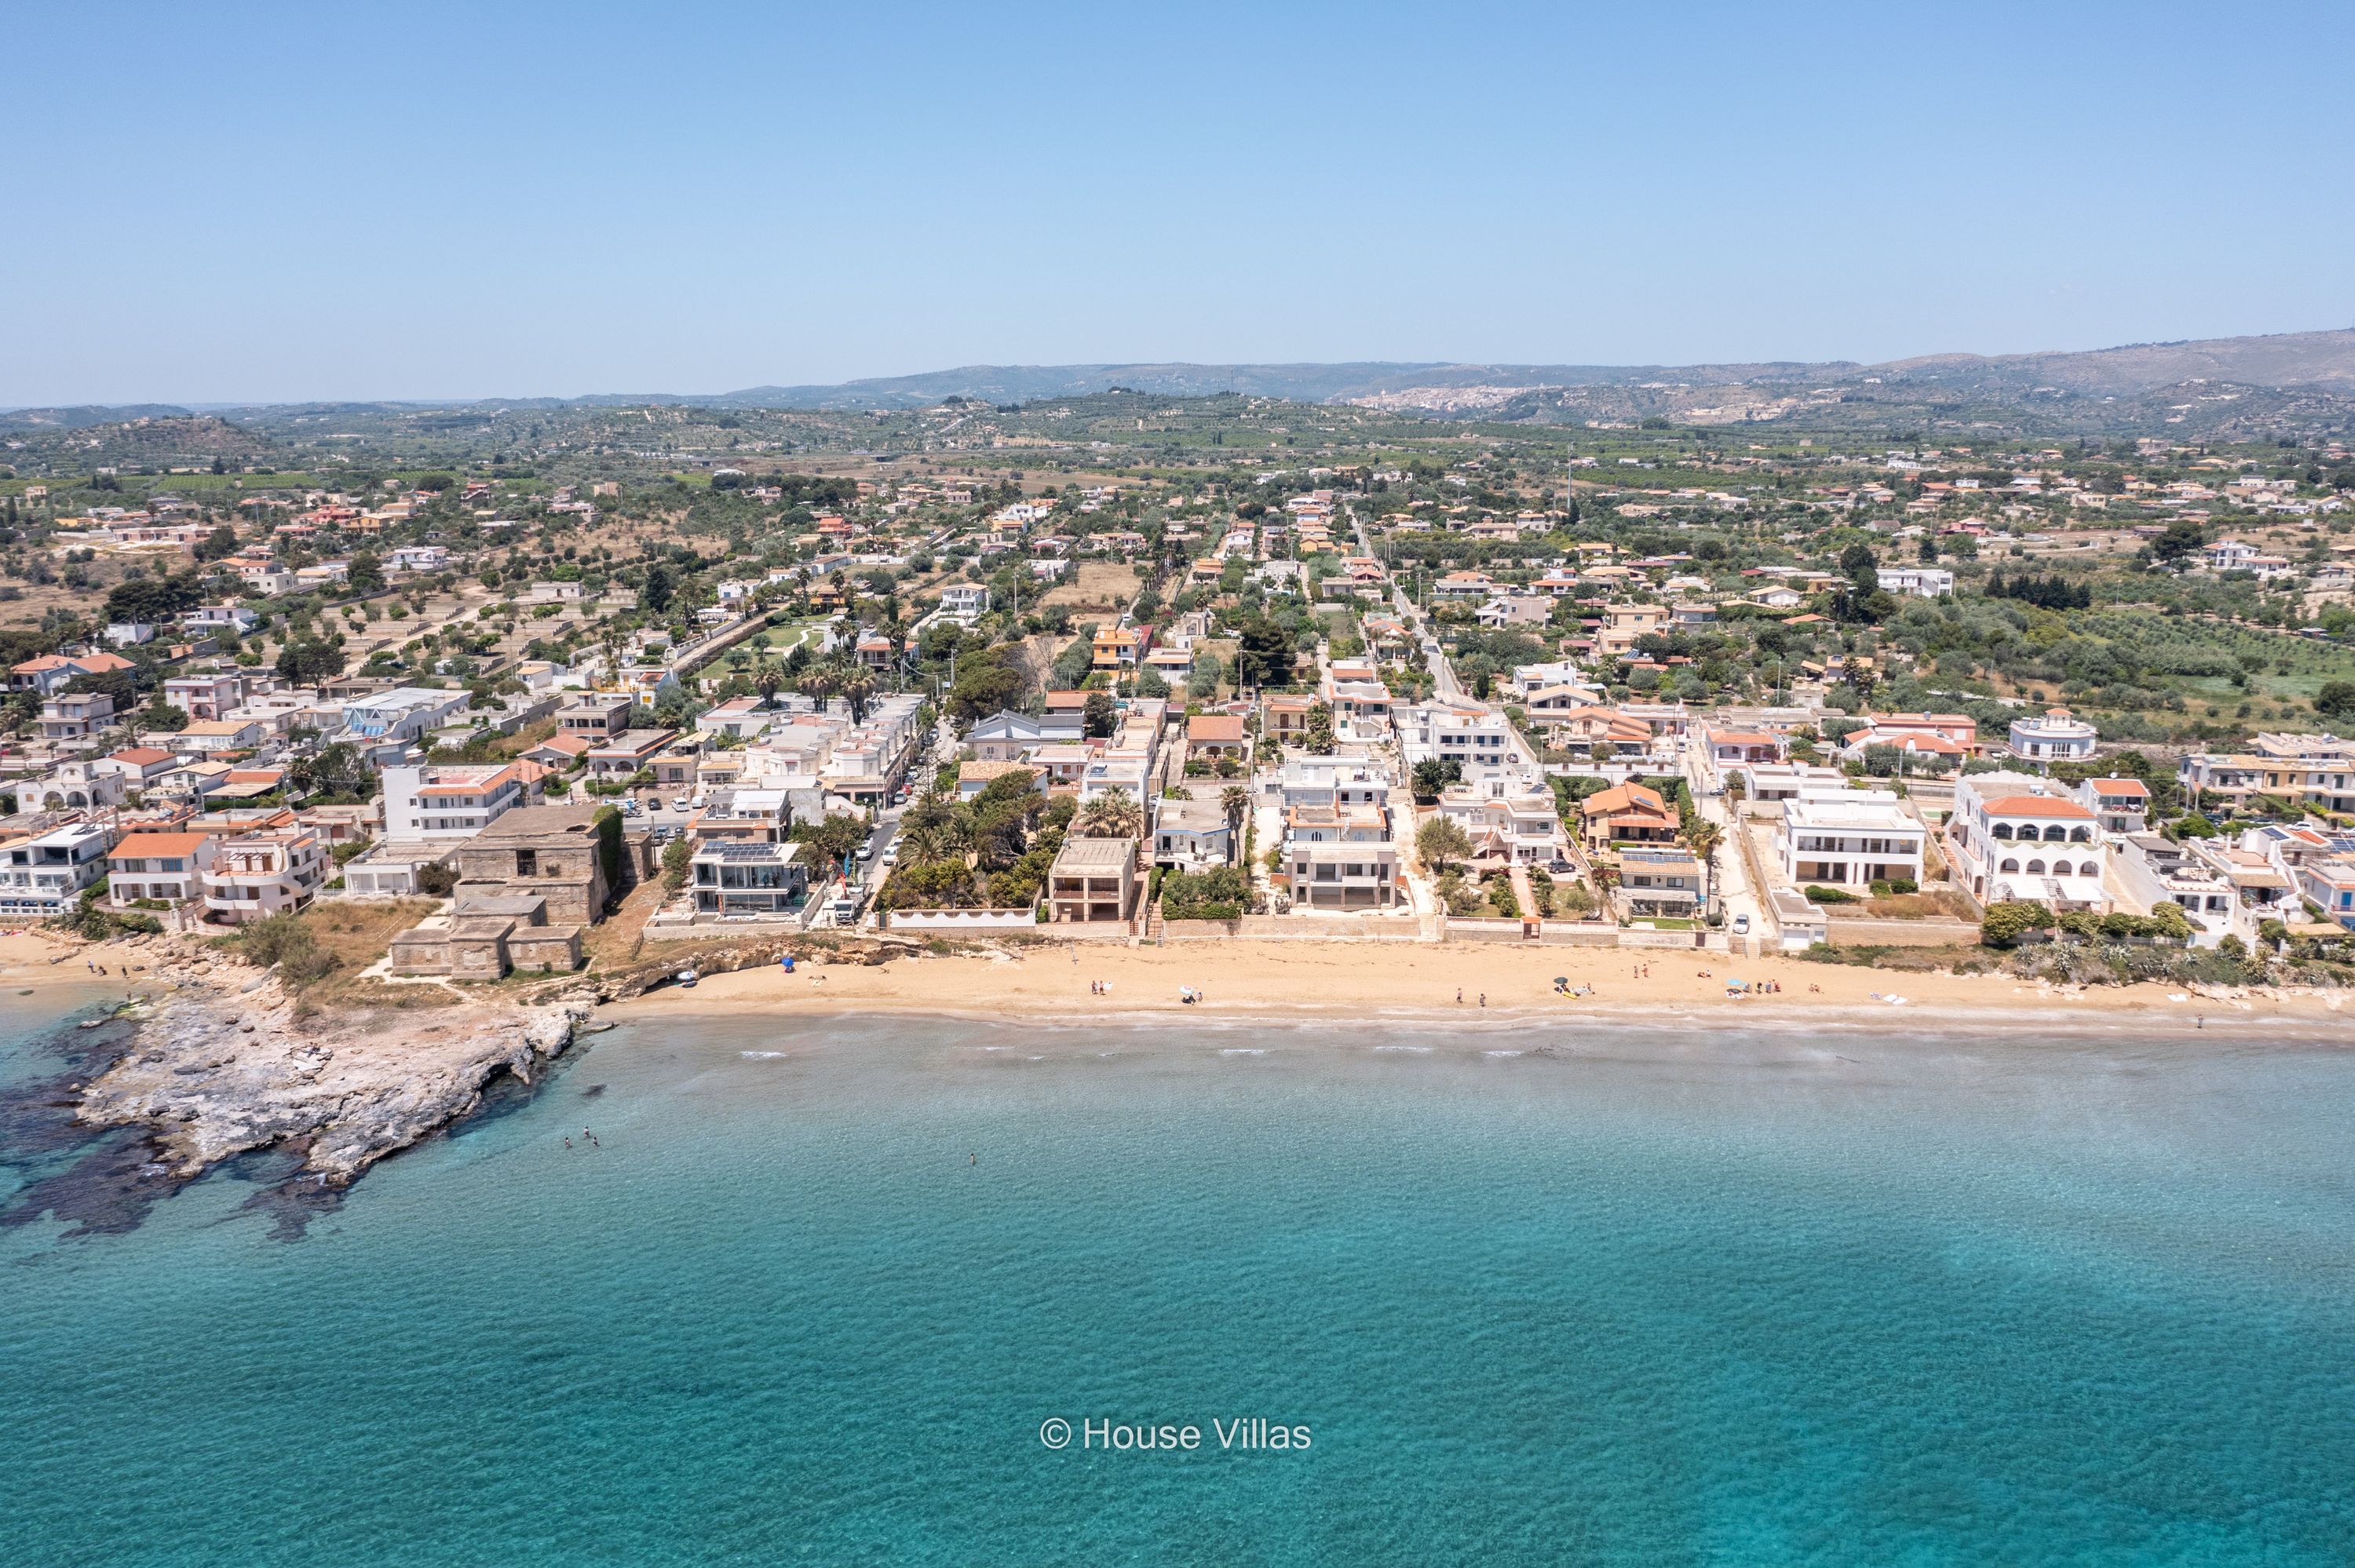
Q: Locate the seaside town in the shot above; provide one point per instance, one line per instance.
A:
(769, 794)
(403, 733)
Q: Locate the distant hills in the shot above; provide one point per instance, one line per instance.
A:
(2286, 360)
(2225, 388)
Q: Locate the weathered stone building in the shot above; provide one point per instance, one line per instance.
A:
(528, 885)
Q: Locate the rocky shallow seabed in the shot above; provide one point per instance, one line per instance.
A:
(221, 1065)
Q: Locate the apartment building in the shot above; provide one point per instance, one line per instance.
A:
(159, 867)
(1849, 838)
(205, 696)
(41, 875)
(1447, 733)
(453, 801)
(1340, 856)
(598, 717)
(75, 716)
(1092, 880)
(2312, 771)
(264, 872)
(1510, 815)
(1118, 649)
(2120, 805)
(1668, 880)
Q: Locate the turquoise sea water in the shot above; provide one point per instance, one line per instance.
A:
(1650, 1298)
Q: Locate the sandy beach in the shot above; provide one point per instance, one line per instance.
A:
(28, 959)
(1337, 981)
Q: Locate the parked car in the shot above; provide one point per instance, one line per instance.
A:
(1742, 925)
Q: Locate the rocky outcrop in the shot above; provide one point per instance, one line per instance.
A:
(222, 1066)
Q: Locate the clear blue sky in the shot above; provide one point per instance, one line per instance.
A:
(280, 202)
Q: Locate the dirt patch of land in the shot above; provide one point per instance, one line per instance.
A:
(1103, 587)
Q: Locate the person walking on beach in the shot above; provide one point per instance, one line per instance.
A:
(1483, 999)
(1459, 996)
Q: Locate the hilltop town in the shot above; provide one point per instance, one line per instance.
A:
(1221, 669)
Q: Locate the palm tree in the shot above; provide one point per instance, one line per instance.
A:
(1704, 836)
(859, 690)
(934, 830)
(1234, 799)
(1113, 815)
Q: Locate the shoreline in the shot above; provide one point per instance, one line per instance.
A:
(222, 1061)
(1344, 984)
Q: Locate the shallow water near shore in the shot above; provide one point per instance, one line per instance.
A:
(1603, 1296)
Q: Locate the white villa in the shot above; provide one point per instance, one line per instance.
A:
(2052, 736)
(2017, 836)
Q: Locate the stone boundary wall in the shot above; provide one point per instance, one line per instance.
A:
(1291, 927)
(961, 920)
(1900, 933)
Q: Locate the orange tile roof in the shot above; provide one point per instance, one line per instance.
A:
(1214, 727)
(138, 846)
(2034, 806)
(1630, 797)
